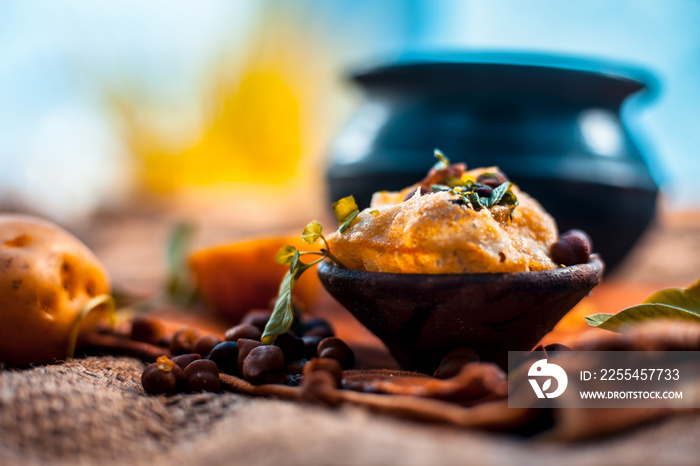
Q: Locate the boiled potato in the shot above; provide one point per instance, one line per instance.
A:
(46, 278)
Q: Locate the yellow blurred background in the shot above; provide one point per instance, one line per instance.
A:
(120, 119)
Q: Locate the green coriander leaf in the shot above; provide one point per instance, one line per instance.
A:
(669, 303)
(439, 187)
(346, 211)
(498, 193)
(443, 161)
(640, 313)
(312, 232)
(509, 199)
(282, 316)
(349, 221)
(285, 255)
(475, 200)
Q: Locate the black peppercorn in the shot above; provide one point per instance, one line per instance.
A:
(162, 377)
(492, 179)
(291, 345)
(184, 360)
(335, 348)
(247, 331)
(484, 191)
(311, 345)
(225, 355)
(205, 344)
(573, 247)
(245, 346)
(202, 375)
(264, 364)
(183, 341)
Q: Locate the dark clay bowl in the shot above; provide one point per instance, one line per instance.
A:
(421, 317)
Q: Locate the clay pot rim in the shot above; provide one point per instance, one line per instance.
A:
(594, 266)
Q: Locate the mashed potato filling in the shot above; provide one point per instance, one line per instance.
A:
(436, 232)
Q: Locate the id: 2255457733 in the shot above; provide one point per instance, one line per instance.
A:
(636, 374)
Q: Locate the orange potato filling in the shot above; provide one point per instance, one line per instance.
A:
(435, 233)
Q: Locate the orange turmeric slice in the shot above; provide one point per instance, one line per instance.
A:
(237, 277)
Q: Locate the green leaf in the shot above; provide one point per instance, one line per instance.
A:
(498, 193)
(282, 316)
(597, 319)
(474, 199)
(349, 221)
(346, 211)
(180, 287)
(443, 162)
(694, 290)
(312, 232)
(285, 255)
(439, 187)
(510, 199)
(640, 313)
(677, 298)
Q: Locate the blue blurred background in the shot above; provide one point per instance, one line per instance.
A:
(105, 103)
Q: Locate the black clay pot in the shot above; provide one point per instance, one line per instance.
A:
(422, 317)
(551, 124)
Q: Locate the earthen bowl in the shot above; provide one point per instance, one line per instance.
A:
(421, 317)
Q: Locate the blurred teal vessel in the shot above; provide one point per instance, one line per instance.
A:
(552, 124)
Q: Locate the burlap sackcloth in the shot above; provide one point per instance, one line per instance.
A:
(94, 411)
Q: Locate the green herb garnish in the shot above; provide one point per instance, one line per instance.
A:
(312, 232)
(498, 193)
(669, 303)
(346, 211)
(282, 317)
(466, 189)
(501, 195)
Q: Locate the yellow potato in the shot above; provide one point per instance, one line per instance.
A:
(46, 278)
